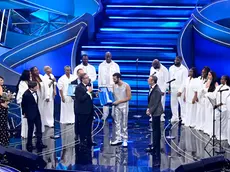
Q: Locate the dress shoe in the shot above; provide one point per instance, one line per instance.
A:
(125, 144)
(149, 149)
(30, 148)
(41, 146)
(150, 145)
(116, 143)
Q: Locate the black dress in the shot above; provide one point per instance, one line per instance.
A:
(4, 135)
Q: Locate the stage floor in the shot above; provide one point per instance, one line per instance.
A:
(63, 154)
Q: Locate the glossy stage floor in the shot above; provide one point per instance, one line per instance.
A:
(64, 154)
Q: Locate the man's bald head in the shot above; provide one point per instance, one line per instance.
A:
(108, 57)
(156, 64)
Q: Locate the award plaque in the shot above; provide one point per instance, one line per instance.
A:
(71, 90)
(105, 96)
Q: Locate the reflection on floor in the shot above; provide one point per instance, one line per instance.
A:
(64, 154)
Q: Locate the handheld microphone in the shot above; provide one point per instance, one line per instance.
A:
(224, 90)
(171, 81)
(154, 73)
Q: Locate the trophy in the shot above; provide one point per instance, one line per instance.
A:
(105, 96)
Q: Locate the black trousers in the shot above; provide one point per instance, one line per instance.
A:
(36, 121)
(156, 126)
(76, 126)
(85, 127)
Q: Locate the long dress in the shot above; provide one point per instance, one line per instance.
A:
(67, 108)
(23, 86)
(4, 135)
(228, 115)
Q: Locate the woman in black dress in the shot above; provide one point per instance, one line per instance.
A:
(4, 135)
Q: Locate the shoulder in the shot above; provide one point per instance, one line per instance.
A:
(171, 67)
(183, 67)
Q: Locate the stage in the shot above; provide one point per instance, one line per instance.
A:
(64, 154)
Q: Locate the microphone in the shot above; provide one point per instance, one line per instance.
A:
(171, 81)
(154, 73)
(224, 90)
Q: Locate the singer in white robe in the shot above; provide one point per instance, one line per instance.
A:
(220, 98)
(189, 87)
(228, 115)
(105, 77)
(162, 73)
(87, 68)
(180, 73)
(67, 103)
(49, 105)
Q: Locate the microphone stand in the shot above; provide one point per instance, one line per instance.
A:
(170, 137)
(137, 94)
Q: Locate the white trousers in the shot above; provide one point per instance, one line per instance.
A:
(224, 124)
(42, 110)
(228, 127)
(49, 113)
(174, 106)
(121, 123)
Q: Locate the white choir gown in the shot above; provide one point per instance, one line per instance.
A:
(49, 106)
(219, 97)
(180, 74)
(228, 115)
(67, 108)
(163, 77)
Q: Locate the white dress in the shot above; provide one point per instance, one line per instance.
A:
(200, 115)
(67, 108)
(228, 115)
(49, 106)
(190, 88)
(23, 86)
(43, 94)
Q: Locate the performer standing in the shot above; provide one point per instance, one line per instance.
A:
(180, 73)
(67, 104)
(43, 92)
(30, 110)
(84, 109)
(87, 68)
(162, 73)
(21, 88)
(190, 98)
(228, 115)
(122, 95)
(105, 77)
(221, 106)
(155, 109)
(49, 105)
(200, 98)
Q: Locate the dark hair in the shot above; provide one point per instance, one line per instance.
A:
(207, 69)
(79, 70)
(35, 77)
(82, 76)
(32, 84)
(194, 72)
(118, 75)
(155, 79)
(24, 77)
(227, 79)
(1, 78)
(212, 86)
(83, 55)
(179, 57)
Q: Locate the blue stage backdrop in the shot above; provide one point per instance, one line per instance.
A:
(214, 55)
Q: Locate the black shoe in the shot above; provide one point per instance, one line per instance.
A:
(150, 145)
(149, 149)
(41, 146)
(29, 147)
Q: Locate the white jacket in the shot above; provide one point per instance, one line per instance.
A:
(89, 70)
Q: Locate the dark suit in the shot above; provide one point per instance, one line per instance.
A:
(155, 109)
(84, 112)
(31, 111)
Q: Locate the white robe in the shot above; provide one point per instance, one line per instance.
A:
(23, 86)
(105, 79)
(228, 115)
(89, 70)
(190, 110)
(67, 108)
(224, 119)
(49, 106)
(180, 74)
(43, 94)
(200, 115)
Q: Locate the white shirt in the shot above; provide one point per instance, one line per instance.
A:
(23, 86)
(162, 75)
(35, 96)
(63, 83)
(105, 73)
(151, 89)
(178, 73)
(89, 70)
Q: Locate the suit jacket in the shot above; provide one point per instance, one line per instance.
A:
(154, 102)
(83, 103)
(29, 105)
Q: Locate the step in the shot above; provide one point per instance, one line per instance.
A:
(144, 18)
(148, 12)
(142, 30)
(143, 24)
(131, 54)
(116, 35)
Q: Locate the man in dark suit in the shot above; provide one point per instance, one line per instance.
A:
(84, 109)
(31, 112)
(155, 109)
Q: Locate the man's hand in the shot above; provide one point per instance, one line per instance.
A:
(89, 89)
(63, 99)
(47, 100)
(147, 112)
(24, 115)
(116, 103)
(179, 94)
(162, 93)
